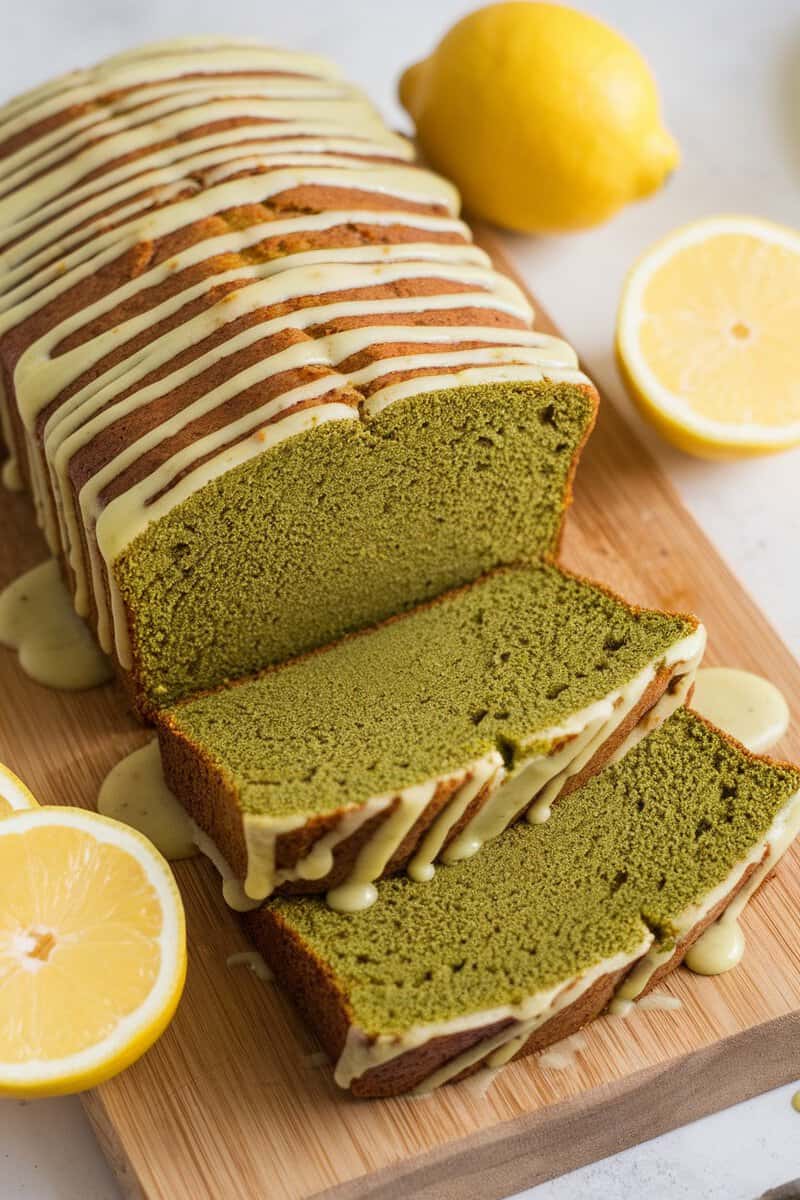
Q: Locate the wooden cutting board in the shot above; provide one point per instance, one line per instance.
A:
(232, 1103)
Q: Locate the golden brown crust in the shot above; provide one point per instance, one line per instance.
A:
(306, 979)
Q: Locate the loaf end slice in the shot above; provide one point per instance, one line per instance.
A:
(514, 949)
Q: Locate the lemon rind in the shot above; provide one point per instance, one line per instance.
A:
(17, 793)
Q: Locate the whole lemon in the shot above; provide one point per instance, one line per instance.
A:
(545, 118)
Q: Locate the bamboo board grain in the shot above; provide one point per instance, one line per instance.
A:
(230, 1105)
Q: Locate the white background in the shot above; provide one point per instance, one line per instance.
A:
(730, 76)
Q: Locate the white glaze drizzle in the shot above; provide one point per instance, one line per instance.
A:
(652, 1002)
(747, 706)
(254, 963)
(232, 891)
(362, 1052)
(135, 792)
(357, 890)
(11, 478)
(784, 830)
(536, 783)
(483, 775)
(659, 1002)
(561, 1055)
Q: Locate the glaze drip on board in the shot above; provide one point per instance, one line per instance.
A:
(10, 475)
(562, 1055)
(652, 1001)
(135, 792)
(254, 963)
(719, 949)
(746, 706)
(55, 647)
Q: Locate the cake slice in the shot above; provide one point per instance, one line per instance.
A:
(502, 955)
(424, 737)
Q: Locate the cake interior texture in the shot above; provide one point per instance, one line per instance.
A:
(345, 525)
(481, 669)
(634, 848)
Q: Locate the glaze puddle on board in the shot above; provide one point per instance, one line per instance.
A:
(134, 791)
(55, 647)
(253, 961)
(747, 706)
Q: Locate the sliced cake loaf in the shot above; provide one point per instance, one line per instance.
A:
(424, 737)
(264, 388)
(517, 948)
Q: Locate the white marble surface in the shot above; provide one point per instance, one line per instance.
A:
(731, 79)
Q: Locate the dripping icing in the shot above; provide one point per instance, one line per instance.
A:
(503, 797)
(362, 1052)
(561, 1056)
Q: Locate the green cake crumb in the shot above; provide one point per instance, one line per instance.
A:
(631, 850)
(345, 525)
(516, 653)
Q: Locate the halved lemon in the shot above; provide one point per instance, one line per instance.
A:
(708, 337)
(92, 949)
(13, 793)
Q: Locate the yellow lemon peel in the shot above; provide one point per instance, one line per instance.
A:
(545, 118)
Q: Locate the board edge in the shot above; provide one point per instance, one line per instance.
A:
(507, 1159)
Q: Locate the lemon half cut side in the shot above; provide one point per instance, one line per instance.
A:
(92, 949)
(708, 337)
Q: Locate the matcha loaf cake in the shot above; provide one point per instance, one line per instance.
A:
(424, 737)
(507, 952)
(263, 386)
